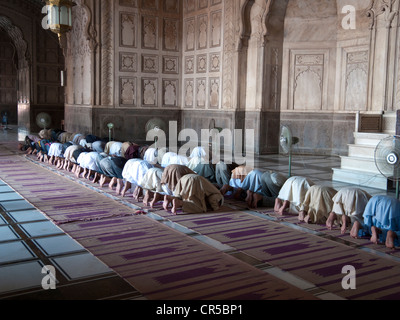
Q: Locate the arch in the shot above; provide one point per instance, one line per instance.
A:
(15, 33)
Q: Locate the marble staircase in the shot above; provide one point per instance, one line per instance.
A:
(358, 167)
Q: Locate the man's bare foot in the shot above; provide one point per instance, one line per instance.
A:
(113, 181)
(355, 229)
(103, 180)
(119, 186)
(302, 215)
(284, 207)
(278, 205)
(256, 199)
(331, 220)
(307, 219)
(345, 224)
(157, 197)
(146, 199)
(390, 237)
(249, 198)
(78, 171)
(225, 189)
(375, 235)
(176, 204)
(127, 186)
(96, 177)
(138, 193)
(167, 202)
(237, 193)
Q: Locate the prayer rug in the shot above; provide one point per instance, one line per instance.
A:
(164, 263)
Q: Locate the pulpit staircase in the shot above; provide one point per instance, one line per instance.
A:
(358, 167)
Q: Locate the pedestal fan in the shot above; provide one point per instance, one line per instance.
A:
(43, 120)
(387, 159)
(287, 141)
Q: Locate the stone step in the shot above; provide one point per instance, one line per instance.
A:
(360, 178)
(360, 164)
(362, 151)
(369, 139)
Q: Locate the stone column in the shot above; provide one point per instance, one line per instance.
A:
(384, 15)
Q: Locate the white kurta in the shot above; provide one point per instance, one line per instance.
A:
(56, 150)
(135, 169)
(173, 158)
(351, 202)
(152, 180)
(88, 160)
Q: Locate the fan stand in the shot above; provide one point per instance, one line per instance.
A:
(290, 164)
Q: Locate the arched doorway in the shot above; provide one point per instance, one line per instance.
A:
(8, 79)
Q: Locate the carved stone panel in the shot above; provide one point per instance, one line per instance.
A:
(215, 37)
(202, 63)
(128, 91)
(190, 5)
(215, 62)
(201, 93)
(128, 28)
(150, 4)
(170, 38)
(215, 88)
(171, 6)
(308, 82)
(149, 92)
(190, 34)
(203, 4)
(356, 81)
(128, 3)
(150, 63)
(189, 64)
(128, 62)
(189, 93)
(202, 31)
(149, 32)
(170, 65)
(170, 92)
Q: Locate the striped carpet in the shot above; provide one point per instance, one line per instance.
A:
(160, 262)
(241, 254)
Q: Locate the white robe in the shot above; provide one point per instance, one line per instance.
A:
(351, 202)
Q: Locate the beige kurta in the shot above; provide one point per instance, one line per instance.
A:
(318, 203)
(173, 173)
(294, 190)
(69, 152)
(197, 193)
(125, 147)
(108, 147)
(351, 202)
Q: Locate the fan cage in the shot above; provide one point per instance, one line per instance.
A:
(387, 157)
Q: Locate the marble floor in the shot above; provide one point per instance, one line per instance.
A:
(29, 241)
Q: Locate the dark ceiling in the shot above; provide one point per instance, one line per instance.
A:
(36, 3)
